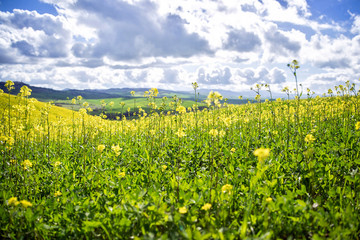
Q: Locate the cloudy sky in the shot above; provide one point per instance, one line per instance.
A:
(221, 44)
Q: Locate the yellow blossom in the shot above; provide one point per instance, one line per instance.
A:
(57, 194)
(227, 121)
(25, 203)
(181, 109)
(27, 164)
(25, 91)
(357, 126)
(269, 199)
(310, 138)
(121, 174)
(262, 153)
(182, 210)
(164, 167)
(226, 188)
(57, 163)
(9, 85)
(232, 150)
(206, 206)
(82, 111)
(101, 147)
(13, 201)
(116, 149)
(180, 133)
(213, 132)
(222, 133)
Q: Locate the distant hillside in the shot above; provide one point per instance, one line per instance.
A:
(47, 94)
(51, 94)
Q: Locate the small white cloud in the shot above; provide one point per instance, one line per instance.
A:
(213, 76)
(355, 28)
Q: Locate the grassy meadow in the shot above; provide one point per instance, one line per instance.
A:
(282, 169)
(126, 106)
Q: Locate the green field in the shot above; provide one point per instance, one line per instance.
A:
(284, 169)
(131, 105)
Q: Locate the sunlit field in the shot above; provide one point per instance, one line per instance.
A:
(278, 168)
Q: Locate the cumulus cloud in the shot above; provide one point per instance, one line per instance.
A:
(242, 41)
(214, 76)
(170, 76)
(135, 31)
(355, 28)
(260, 75)
(35, 35)
(279, 43)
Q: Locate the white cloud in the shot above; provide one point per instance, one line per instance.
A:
(355, 28)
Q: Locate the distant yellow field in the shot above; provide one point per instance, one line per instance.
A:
(35, 108)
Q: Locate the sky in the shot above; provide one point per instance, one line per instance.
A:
(220, 44)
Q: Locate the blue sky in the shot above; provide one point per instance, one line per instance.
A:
(222, 44)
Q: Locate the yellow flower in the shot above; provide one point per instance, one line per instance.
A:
(82, 111)
(25, 91)
(25, 203)
(232, 150)
(182, 210)
(57, 194)
(206, 206)
(181, 109)
(164, 167)
(357, 126)
(121, 174)
(132, 93)
(79, 98)
(116, 149)
(27, 164)
(262, 153)
(221, 133)
(269, 199)
(226, 188)
(227, 121)
(57, 163)
(214, 96)
(213, 132)
(9, 85)
(310, 138)
(180, 133)
(101, 147)
(13, 201)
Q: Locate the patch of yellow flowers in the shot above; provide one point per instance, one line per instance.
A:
(13, 201)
